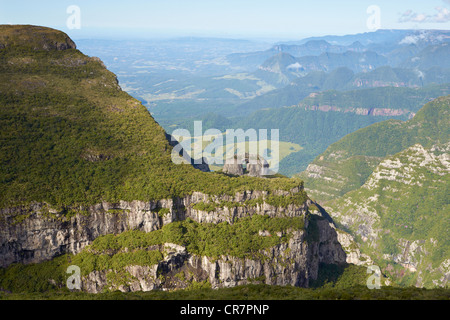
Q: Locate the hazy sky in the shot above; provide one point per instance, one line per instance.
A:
(292, 19)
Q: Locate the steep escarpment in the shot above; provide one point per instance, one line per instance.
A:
(400, 215)
(395, 206)
(38, 232)
(276, 245)
(347, 164)
(289, 258)
(82, 163)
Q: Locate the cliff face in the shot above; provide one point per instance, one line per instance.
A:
(387, 185)
(293, 263)
(38, 233)
(400, 215)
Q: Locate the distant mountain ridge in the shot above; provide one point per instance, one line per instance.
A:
(310, 48)
(381, 41)
(187, 80)
(343, 79)
(384, 36)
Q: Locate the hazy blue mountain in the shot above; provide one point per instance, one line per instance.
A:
(382, 36)
(298, 89)
(252, 60)
(343, 79)
(287, 67)
(182, 78)
(396, 45)
(437, 55)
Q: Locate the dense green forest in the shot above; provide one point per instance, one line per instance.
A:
(315, 130)
(71, 136)
(361, 151)
(388, 186)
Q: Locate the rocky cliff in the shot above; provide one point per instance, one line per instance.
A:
(38, 233)
(295, 263)
(400, 215)
(387, 186)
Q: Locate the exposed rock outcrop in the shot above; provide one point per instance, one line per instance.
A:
(386, 230)
(234, 167)
(38, 233)
(294, 263)
(255, 166)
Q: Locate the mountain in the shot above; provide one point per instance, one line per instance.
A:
(84, 157)
(387, 185)
(387, 76)
(182, 79)
(88, 178)
(323, 118)
(316, 48)
(382, 101)
(23, 38)
(288, 95)
(399, 216)
(284, 65)
(347, 163)
(398, 55)
(355, 61)
(344, 79)
(413, 49)
(252, 60)
(432, 56)
(384, 37)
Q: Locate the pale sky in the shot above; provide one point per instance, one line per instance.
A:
(284, 19)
